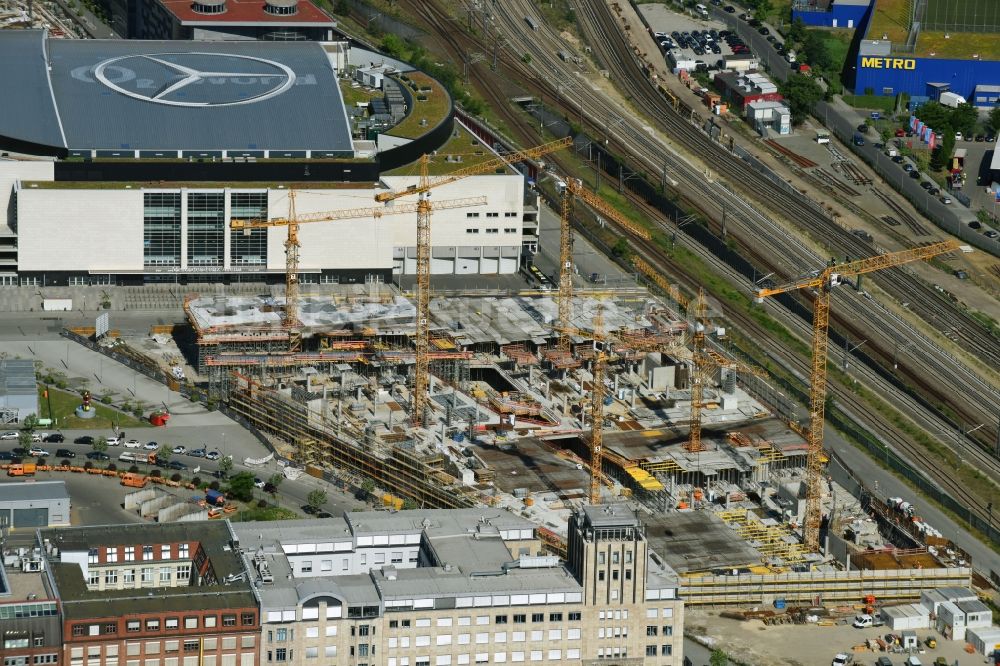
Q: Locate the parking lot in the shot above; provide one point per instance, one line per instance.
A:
(694, 39)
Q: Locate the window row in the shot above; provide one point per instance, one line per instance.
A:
(491, 230)
(507, 214)
(167, 624)
(484, 658)
(128, 553)
(652, 630)
(484, 637)
(27, 660)
(612, 632)
(146, 576)
(665, 650)
(653, 613)
(481, 620)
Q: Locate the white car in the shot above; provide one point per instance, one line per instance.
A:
(132, 444)
(9, 435)
(213, 455)
(151, 446)
(180, 449)
(114, 441)
(37, 452)
(842, 659)
(258, 483)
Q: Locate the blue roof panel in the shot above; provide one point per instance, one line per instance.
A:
(175, 95)
(29, 112)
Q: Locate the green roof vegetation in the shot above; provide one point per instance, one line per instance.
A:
(958, 45)
(354, 93)
(461, 143)
(892, 19)
(431, 103)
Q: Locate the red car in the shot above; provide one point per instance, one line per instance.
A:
(900, 132)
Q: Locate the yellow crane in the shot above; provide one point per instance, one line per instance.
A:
(823, 283)
(574, 189)
(418, 400)
(292, 221)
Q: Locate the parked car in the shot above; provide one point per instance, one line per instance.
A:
(914, 174)
(38, 452)
(6, 455)
(909, 167)
(65, 453)
(19, 452)
(177, 464)
(213, 455)
(55, 438)
(900, 133)
(764, 30)
(883, 661)
(926, 185)
(180, 449)
(898, 159)
(729, 9)
(324, 514)
(258, 482)
(9, 435)
(85, 439)
(975, 224)
(114, 440)
(151, 446)
(132, 444)
(197, 453)
(98, 455)
(991, 234)
(863, 621)
(980, 138)
(863, 128)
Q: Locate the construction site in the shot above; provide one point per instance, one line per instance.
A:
(541, 401)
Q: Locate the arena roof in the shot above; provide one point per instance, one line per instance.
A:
(104, 95)
(244, 12)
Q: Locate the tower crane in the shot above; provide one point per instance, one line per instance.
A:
(823, 283)
(418, 402)
(574, 189)
(292, 245)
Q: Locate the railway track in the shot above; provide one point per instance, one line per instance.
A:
(540, 49)
(901, 213)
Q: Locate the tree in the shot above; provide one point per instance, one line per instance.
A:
(943, 152)
(964, 118)
(24, 439)
(620, 248)
(410, 504)
(718, 658)
(316, 499)
(343, 8)
(241, 487)
(815, 51)
(995, 119)
(163, 454)
(274, 481)
(797, 32)
(30, 423)
(802, 93)
(934, 115)
(392, 45)
(368, 487)
(226, 465)
(100, 444)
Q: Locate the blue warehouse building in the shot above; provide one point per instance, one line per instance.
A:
(906, 62)
(831, 13)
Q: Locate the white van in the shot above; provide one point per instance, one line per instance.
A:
(702, 10)
(863, 621)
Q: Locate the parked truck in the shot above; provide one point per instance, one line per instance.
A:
(215, 498)
(22, 469)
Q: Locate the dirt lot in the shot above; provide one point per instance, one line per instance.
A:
(755, 644)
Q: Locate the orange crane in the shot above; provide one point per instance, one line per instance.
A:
(292, 221)
(418, 401)
(823, 283)
(574, 189)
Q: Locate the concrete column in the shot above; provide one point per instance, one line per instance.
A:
(184, 227)
(226, 238)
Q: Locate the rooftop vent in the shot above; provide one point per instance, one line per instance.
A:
(209, 6)
(281, 7)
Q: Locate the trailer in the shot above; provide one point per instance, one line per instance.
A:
(531, 22)
(22, 469)
(215, 498)
(135, 480)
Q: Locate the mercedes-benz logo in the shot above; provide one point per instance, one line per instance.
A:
(176, 84)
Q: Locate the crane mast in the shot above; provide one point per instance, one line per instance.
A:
(823, 283)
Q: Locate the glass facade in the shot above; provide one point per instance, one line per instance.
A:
(206, 228)
(161, 230)
(248, 247)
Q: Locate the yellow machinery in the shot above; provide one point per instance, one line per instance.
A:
(418, 401)
(574, 189)
(822, 283)
(292, 221)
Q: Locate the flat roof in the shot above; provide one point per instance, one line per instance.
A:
(33, 491)
(249, 12)
(79, 603)
(114, 95)
(17, 377)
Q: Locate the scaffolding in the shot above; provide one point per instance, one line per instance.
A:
(397, 467)
(774, 541)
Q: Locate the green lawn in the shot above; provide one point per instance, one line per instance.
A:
(352, 95)
(64, 403)
(252, 512)
(959, 45)
(465, 144)
(838, 42)
(882, 103)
